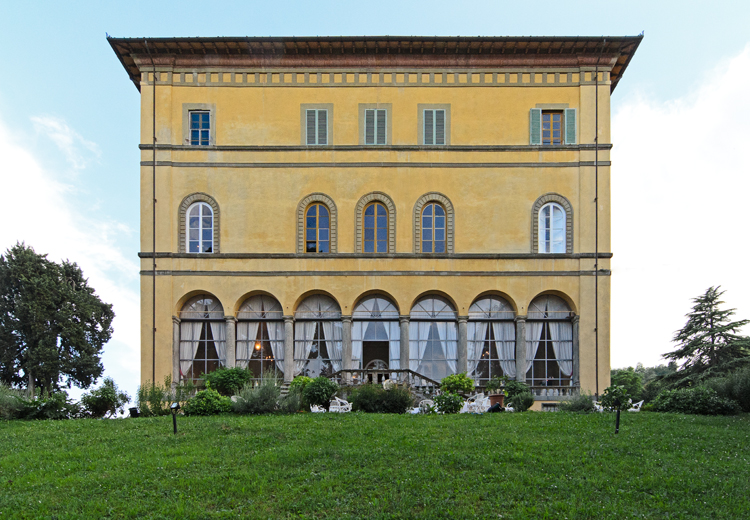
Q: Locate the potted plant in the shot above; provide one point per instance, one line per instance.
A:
(496, 390)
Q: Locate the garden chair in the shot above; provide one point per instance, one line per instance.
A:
(314, 408)
(425, 405)
(466, 408)
(339, 405)
(480, 405)
(636, 407)
(598, 407)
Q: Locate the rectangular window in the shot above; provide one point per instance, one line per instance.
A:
(200, 127)
(434, 127)
(317, 126)
(375, 126)
(552, 127)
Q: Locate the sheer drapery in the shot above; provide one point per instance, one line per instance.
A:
(357, 344)
(276, 336)
(505, 336)
(247, 332)
(190, 334)
(450, 346)
(477, 334)
(394, 345)
(219, 331)
(420, 331)
(304, 333)
(561, 334)
(534, 335)
(332, 332)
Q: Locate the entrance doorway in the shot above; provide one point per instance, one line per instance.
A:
(375, 357)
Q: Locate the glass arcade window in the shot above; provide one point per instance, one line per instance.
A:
(375, 333)
(433, 228)
(317, 337)
(200, 127)
(552, 228)
(549, 344)
(317, 229)
(200, 230)
(375, 228)
(260, 336)
(202, 337)
(433, 333)
(491, 333)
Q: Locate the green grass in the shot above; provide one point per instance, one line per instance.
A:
(532, 465)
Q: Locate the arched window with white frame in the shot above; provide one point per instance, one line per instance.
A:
(200, 228)
(318, 335)
(552, 228)
(376, 334)
(549, 346)
(203, 345)
(491, 335)
(260, 336)
(433, 338)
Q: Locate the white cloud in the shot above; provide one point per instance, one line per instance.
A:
(680, 183)
(42, 212)
(79, 152)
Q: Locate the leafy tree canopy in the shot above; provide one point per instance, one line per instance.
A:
(52, 325)
(709, 344)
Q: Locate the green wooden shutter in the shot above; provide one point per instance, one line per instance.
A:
(570, 126)
(535, 126)
(310, 126)
(381, 127)
(322, 126)
(428, 127)
(369, 126)
(439, 126)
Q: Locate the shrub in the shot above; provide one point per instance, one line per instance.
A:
(154, 400)
(263, 398)
(319, 391)
(374, 399)
(521, 402)
(651, 390)
(630, 379)
(457, 383)
(614, 397)
(735, 386)
(207, 402)
(290, 403)
(107, 399)
(497, 385)
(514, 388)
(448, 402)
(57, 406)
(11, 402)
(582, 403)
(696, 400)
(228, 381)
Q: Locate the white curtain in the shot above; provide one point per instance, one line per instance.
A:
(533, 336)
(476, 334)
(332, 330)
(276, 335)
(190, 333)
(394, 345)
(357, 344)
(219, 331)
(419, 331)
(247, 331)
(505, 337)
(304, 333)
(450, 345)
(561, 333)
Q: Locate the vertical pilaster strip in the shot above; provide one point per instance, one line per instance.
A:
(403, 322)
(463, 350)
(288, 348)
(520, 348)
(576, 357)
(346, 335)
(175, 350)
(231, 322)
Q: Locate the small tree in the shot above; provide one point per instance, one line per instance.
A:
(107, 399)
(708, 344)
(630, 379)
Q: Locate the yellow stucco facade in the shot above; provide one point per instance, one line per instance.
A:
(257, 173)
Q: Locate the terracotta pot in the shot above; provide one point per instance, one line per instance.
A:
(496, 399)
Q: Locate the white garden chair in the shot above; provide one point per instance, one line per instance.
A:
(480, 405)
(636, 407)
(598, 407)
(314, 408)
(339, 405)
(425, 405)
(470, 401)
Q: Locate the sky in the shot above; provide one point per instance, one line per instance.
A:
(69, 138)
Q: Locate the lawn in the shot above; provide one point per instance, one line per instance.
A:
(531, 465)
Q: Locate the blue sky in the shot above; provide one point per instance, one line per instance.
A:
(69, 136)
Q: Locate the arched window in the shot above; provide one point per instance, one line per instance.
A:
(202, 337)
(260, 336)
(433, 333)
(317, 337)
(317, 229)
(375, 228)
(549, 346)
(375, 334)
(433, 228)
(552, 228)
(491, 333)
(200, 230)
